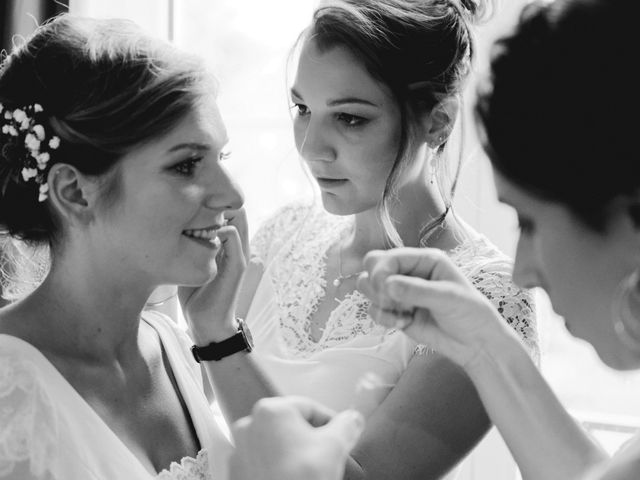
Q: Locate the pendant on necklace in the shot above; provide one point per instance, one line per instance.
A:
(341, 278)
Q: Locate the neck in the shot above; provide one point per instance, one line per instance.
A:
(418, 203)
(86, 310)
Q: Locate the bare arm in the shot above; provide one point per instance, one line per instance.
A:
(210, 310)
(427, 424)
(546, 442)
(449, 315)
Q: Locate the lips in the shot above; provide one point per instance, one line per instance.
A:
(326, 182)
(207, 236)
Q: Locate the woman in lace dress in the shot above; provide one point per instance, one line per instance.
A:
(565, 157)
(110, 153)
(375, 97)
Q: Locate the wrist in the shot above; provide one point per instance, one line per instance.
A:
(205, 334)
(240, 340)
(496, 350)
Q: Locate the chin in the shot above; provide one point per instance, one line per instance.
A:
(338, 206)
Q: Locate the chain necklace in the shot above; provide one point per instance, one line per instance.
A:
(341, 278)
(426, 232)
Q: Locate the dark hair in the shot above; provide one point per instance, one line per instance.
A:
(420, 49)
(105, 87)
(556, 116)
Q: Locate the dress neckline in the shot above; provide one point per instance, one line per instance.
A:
(83, 404)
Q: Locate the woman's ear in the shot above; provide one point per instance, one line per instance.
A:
(71, 193)
(439, 122)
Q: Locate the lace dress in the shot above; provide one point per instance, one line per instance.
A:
(355, 363)
(49, 432)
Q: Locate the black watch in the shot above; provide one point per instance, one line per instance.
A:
(219, 350)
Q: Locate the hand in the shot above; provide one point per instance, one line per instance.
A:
(210, 308)
(293, 438)
(422, 292)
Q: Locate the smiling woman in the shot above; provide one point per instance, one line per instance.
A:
(112, 145)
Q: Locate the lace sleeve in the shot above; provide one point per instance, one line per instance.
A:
(28, 426)
(277, 228)
(516, 305)
(490, 272)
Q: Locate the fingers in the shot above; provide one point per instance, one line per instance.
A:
(391, 318)
(313, 412)
(238, 219)
(292, 408)
(418, 292)
(428, 263)
(346, 427)
(232, 245)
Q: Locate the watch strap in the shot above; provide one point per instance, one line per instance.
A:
(219, 350)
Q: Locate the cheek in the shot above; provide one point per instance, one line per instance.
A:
(299, 129)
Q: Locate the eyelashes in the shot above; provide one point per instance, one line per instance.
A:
(187, 167)
(346, 119)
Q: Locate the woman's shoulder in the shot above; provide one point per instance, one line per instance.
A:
(28, 417)
(490, 271)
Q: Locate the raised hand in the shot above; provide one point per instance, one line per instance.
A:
(293, 438)
(423, 293)
(210, 308)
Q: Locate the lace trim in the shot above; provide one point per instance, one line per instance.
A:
(189, 468)
(490, 272)
(27, 420)
(298, 279)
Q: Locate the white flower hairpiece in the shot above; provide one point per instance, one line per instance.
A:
(25, 149)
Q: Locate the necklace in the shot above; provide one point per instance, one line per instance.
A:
(341, 278)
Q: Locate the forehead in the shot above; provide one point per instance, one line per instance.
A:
(336, 72)
(203, 124)
(509, 192)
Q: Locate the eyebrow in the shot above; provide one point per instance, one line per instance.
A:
(191, 146)
(342, 101)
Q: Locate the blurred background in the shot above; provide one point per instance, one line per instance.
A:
(247, 45)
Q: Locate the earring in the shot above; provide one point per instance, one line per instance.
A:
(625, 323)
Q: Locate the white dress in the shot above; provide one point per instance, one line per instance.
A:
(355, 363)
(49, 432)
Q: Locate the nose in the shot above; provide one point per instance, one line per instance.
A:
(312, 141)
(224, 192)
(525, 268)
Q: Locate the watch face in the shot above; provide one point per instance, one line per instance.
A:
(242, 326)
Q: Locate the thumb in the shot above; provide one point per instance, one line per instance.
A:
(346, 426)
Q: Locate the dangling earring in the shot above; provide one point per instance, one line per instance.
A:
(625, 323)
(433, 166)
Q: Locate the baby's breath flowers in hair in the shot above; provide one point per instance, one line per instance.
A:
(25, 147)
